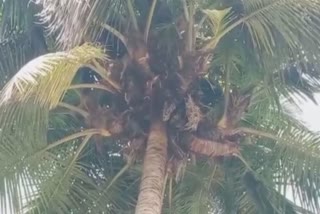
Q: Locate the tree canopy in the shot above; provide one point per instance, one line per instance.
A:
(163, 106)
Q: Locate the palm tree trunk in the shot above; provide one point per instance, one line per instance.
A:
(154, 170)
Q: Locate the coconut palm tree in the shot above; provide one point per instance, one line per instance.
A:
(163, 106)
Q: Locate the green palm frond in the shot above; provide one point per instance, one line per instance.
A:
(219, 21)
(15, 52)
(194, 194)
(272, 21)
(266, 199)
(36, 170)
(46, 78)
(296, 152)
(23, 146)
(290, 49)
(16, 16)
(18, 20)
(282, 78)
(294, 77)
(16, 178)
(247, 191)
(268, 19)
(70, 180)
(66, 170)
(120, 188)
(303, 76)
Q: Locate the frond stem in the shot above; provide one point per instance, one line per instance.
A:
(88, 85)
(193, 159)
(190, 42)
(116, 33)
(73, 108)
(226, 97)
(103, 73)
(74, 159)
(170, 195)
(212, 176)
(75, 136)
(117, 176)
(149, 20)
(164, 186)
(132, 15)
(241, 158)
(185, 9)
(258, 133)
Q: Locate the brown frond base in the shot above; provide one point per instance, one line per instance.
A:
(212, 148)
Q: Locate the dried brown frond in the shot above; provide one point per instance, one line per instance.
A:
(62, 15)
(194, 114)
(72, 22)
(168, 108)
(174, 146)
(211, 148)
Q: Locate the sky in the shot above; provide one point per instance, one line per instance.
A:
(310, 113)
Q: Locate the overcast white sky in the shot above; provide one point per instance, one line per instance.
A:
(310, 113)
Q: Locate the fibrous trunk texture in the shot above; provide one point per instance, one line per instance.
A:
(154, 169)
